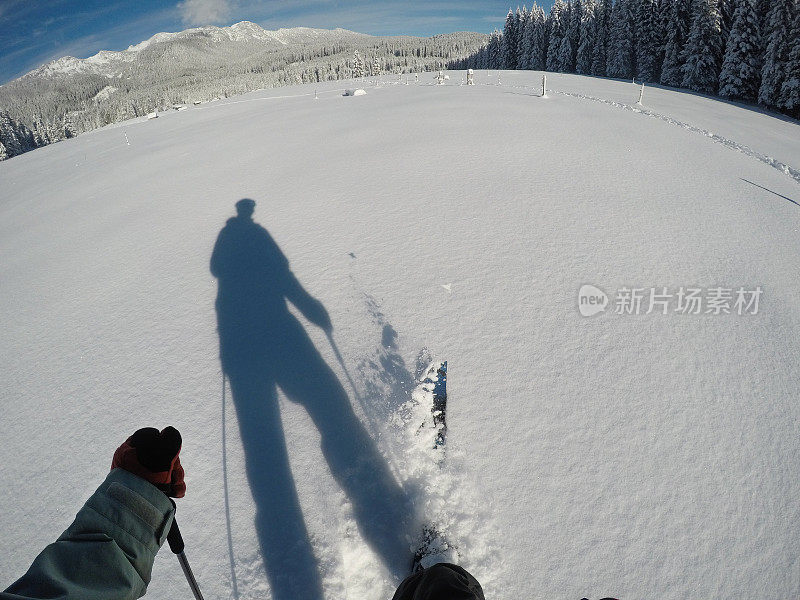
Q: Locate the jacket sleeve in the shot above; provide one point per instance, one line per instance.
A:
(108, 551)
(312, 309)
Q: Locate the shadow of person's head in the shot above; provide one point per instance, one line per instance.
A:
(245, 208)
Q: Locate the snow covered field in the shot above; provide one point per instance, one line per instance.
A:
(634, 455)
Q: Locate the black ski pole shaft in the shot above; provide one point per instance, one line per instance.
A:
(175, 540)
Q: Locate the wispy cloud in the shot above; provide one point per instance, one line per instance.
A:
(35, 51)
(204, 12)
(378, 18)
(10, 7)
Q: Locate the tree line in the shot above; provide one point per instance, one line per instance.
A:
(36, 110)
(745, 50)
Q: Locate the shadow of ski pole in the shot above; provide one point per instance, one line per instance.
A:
(227, 501)
(770, 191)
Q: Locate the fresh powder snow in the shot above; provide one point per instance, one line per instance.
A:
(641, 452)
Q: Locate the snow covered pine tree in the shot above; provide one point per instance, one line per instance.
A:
(703, 48)
(740, 68)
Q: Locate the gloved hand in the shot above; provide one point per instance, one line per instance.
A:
(153, 456)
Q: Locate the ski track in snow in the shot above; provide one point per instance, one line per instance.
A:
(264, 98)
(440, 494)
(784, 168)
(728, 143)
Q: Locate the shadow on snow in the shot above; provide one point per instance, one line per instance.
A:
(263, 347)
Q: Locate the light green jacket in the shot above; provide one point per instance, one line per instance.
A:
(108, 551)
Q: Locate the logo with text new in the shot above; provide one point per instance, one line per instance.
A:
(591, 300)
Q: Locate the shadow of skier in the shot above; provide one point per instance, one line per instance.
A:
(262, 347)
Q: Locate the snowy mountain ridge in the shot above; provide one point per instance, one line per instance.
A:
(110, 63)
(72, 95)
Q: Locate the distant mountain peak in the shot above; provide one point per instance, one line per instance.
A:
(69, 95)
(247, 25)
(110, 62)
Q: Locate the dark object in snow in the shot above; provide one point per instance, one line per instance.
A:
(435, 381)
(439, 582)
(440, 404)
(434, 547)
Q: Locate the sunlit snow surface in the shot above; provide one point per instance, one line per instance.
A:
(638, 456)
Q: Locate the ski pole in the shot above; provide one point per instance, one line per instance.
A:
(341, 362)
(175, 540)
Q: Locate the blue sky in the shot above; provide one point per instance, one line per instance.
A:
(33, 32)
